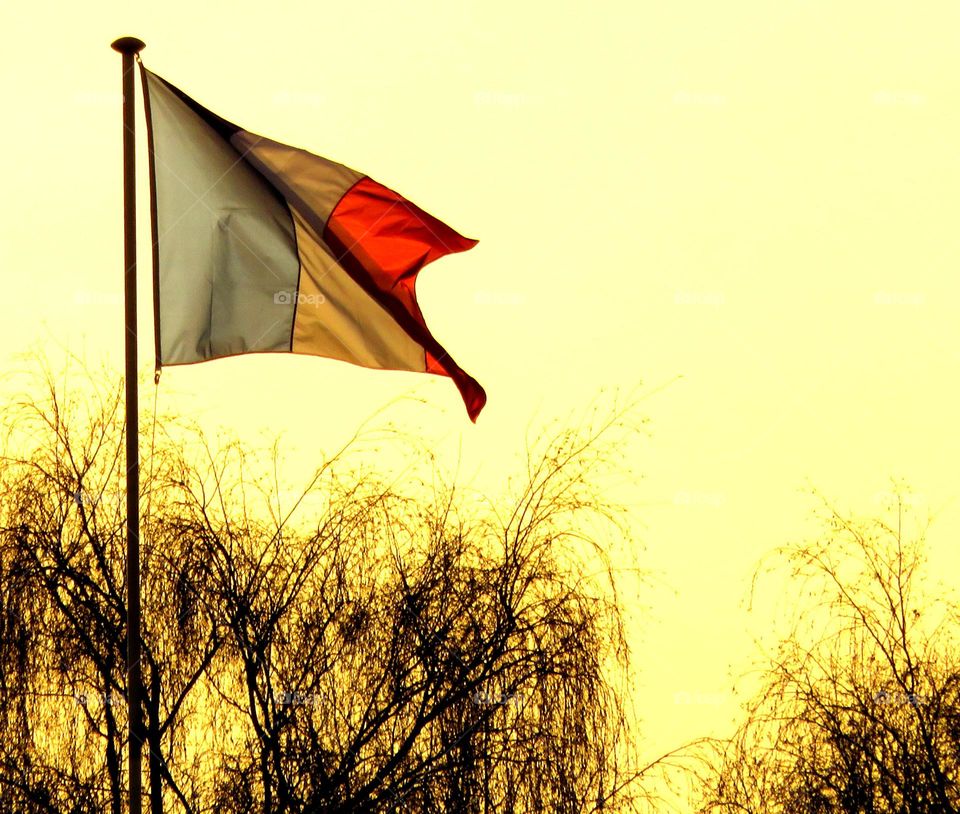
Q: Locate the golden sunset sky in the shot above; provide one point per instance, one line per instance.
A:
(758, 197)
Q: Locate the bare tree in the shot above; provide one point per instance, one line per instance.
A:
(860, 705)
(374, 647)
(62, 544)
(404, 655)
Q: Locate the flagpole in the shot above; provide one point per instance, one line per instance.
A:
(129, 47)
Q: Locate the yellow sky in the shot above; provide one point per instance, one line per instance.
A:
(760, 197)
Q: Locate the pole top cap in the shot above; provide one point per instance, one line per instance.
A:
(128, 45)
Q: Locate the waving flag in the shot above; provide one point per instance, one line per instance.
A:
(261, 247)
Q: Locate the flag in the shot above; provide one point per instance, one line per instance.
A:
(263, 247)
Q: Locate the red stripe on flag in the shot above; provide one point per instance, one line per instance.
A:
(383, 240)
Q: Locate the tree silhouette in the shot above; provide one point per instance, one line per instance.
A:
(370, 648)
(860, 705)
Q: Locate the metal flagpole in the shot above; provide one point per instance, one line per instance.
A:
(129, 47)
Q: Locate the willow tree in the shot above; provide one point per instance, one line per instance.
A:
(859, 707)
(370, 647)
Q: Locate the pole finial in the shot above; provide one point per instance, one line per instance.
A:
(128, 45)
